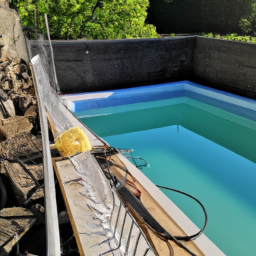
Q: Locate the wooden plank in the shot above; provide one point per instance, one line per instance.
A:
(86, 232)
(12, 219)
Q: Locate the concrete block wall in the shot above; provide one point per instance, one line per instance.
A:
(226, 65)
(107, 64)
(88, 65)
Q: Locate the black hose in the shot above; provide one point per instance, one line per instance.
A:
(187, 238)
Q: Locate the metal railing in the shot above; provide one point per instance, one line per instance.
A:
(125, 234)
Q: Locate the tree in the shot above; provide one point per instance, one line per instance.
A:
(92, 19)
(248, 24)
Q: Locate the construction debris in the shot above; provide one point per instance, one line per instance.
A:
(20, 141)
(14, 223)
(14, 126)
(22, 179)
(25, 143)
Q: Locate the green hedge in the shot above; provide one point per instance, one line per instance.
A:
(73, 19)
(233, 37)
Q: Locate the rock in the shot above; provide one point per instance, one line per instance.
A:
(9, 107)
(25, 75)
(15, 211)
(6, 86)
(2, 76)
(19, 69)
(14, 126)
(14, 228)
(12, 35)
(31, 113)
(4, 3)
(16, 146)
(22, 183)
(1, 43)
(63, 217)
(3, 95)
(17, 85)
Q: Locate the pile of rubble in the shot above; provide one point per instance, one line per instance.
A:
(20, 152)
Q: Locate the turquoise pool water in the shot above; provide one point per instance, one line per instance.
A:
(199, 149)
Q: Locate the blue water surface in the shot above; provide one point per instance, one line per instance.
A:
(222, 180)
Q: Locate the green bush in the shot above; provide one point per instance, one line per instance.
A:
(232, 37)
(248, 24)
(208, 35)
(73, 19)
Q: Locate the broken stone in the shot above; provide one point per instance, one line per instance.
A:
(25, 75)
(5, 64)
(14, 126)
(38, 194)
(9, 107)
(13, 228)
(23, 101)
(17, 84)
(5, 58)
(6, 86)
(31, 113)
(2, 75)
(7, 230)
(32, 92)
(1, 43)
(19, 69)
(19, 145)
(15, 211)
(63, 217)
(22, 183)
(3, 95)
(16, 61)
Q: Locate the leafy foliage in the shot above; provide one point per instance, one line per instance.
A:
(92, 19)
(232, 37)
(248, 24)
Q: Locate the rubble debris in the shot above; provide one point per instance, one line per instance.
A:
(15, 212)
(21, 179)
(3, 194)
(19, 138)
(9, 108)
(14, 126)
(63, 217)
(31, 113)
(3, 95)
(15, 84)
(21, 144)
(14, 223)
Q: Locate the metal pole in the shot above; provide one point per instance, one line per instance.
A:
(52, 57)
(35, 21)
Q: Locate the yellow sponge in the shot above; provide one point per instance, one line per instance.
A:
(72, 141)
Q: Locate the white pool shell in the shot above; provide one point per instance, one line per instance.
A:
(226, 101)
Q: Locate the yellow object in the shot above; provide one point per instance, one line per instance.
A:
(72, 141)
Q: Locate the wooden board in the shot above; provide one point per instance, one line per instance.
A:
(10, 220)
(86, 230)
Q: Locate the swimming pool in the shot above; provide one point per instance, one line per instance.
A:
(195, 139)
